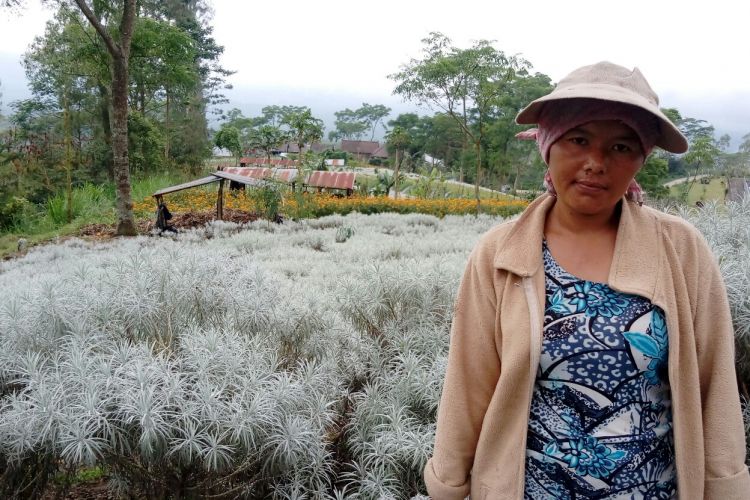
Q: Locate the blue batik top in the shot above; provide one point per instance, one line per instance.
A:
(600, 424)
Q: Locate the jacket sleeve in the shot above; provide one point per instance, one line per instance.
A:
(471, 375)
(727, 475)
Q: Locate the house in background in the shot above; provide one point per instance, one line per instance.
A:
(738, 188)
(290, 147)
(362, 150)
(381, 153)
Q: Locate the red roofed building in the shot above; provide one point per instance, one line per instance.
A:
(363, 150)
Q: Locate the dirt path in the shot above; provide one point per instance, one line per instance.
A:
(684, 179)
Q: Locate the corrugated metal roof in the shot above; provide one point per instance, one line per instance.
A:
(359, 147)
(242, 179)
(285, 174)
(738, 187)
(334, 180)
(255, 173)
(187, 185)
(277, 174)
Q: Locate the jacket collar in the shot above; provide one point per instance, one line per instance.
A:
(635, 263)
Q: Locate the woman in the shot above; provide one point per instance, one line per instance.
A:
(591, 351)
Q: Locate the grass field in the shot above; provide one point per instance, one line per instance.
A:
(714, 190)
(92, 204)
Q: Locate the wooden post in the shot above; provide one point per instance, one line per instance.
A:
(220, 201)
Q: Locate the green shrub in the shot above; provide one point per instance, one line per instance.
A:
(14, 211)
(334, 154)
(87, 200)
(268, 200)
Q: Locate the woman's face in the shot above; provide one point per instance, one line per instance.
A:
(592, 165)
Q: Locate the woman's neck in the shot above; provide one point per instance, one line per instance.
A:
(564, 221)
(582, 245)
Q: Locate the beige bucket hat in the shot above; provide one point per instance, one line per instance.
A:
(609, 82)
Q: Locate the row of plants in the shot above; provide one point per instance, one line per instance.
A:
(306, 205)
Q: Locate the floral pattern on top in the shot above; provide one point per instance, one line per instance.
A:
(600, 424)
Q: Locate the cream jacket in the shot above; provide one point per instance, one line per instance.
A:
(496, 341)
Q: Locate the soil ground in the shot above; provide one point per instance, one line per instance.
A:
(180, 222)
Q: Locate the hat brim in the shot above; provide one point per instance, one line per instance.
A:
(670, 139)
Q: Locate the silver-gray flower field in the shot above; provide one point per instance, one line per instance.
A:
(280, 361)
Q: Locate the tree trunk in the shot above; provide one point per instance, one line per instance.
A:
(399, 158)
(124, 203)
(299, 163)
(141, 98)
(119, 55)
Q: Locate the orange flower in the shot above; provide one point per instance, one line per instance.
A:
(318, 205)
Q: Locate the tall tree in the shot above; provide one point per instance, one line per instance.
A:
(418, 128)
(163, 70)
(118, 47)
(652, 176)
(458, 81)
(443, 139)
(701, 158)
(373, 115)
(509, 157)
(71, 56)
(350, 124)
(267, 138)
(304, 128)
(228, 138)
(276, 115)
(694, 128)
(244, 125)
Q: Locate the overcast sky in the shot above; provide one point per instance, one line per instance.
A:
(333, 54)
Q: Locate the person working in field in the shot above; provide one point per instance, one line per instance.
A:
(591, 351)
